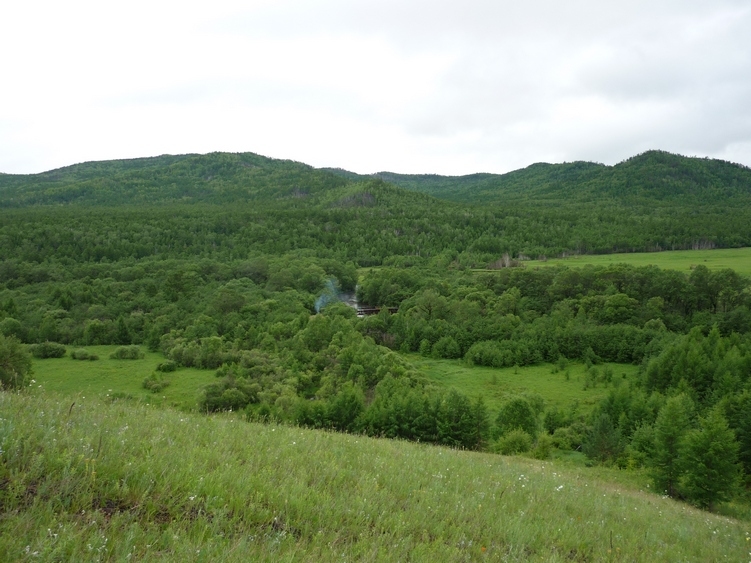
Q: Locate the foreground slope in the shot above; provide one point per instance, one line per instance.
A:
(87, 481)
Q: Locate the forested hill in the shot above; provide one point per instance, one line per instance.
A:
(654, 177)
(654, 201)
(213, 178)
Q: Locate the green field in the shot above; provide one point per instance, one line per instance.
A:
(738, 259)
(129, 482)
(105, 377)
(495, 385)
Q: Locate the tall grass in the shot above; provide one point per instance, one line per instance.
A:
(93, 481)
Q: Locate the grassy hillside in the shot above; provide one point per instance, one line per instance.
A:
(113, 482)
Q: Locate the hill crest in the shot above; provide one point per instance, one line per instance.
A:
(652, 177)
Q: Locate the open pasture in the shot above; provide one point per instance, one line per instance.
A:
(738, 259)
(104, 377)
(495, 385)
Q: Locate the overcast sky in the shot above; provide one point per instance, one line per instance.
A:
(401, 85)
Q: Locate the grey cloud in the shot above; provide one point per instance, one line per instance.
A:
(516, 82)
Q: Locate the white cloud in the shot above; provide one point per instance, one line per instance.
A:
(409, 86)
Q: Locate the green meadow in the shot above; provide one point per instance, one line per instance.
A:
(124, 481)
(738, 259)
(495, 385)
(107, 377)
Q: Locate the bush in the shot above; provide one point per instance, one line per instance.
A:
(83, 354)
(120, 396)
(562, 438)
(127, 353)
(517, 413)
(155, 382)
(491, 354)
(229, 394)
(446, 347)
(233, 400)
(47, 350)
(167, 366)
(544, 446)
(515, 442)
(15, 363)
(11, 327)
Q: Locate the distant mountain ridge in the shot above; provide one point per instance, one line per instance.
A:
(648, 177)
(217, 178)
(653, 201)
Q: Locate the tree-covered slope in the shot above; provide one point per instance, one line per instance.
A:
(648, 178)
(655, 201)
(212, 178)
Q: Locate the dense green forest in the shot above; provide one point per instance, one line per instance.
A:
(235, 263)
(641, 180)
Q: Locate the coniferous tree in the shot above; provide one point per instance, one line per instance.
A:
(672, 423)
(603, 441)
(710, 459)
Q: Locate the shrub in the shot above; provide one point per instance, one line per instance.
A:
(155, 382)
(205, 353)
(554, 419)
(311, 414)
(515, 442)
(15, 363)
(120, 396)
(517, 413)
(234, 399)
(491, 354)
(127, 353)
(47, 350)
(11, 327)
(229, 394)
(543, 447)
(446, 347)
(167, 366)
(343, 409)
(562, 438)
(83, 354)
